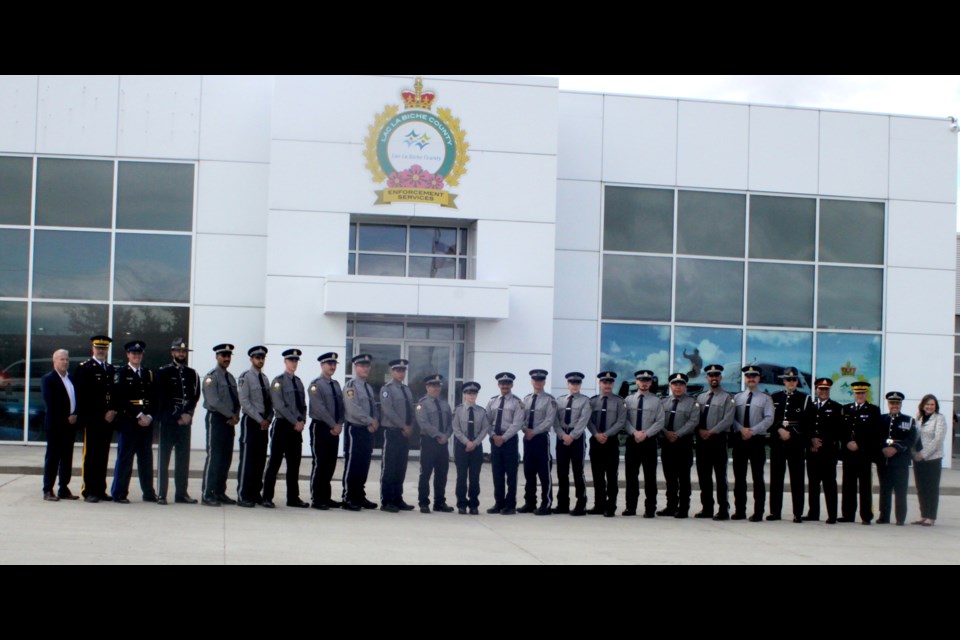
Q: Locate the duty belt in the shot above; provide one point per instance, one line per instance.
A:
(138, 403)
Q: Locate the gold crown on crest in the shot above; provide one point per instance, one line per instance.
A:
(417, 98)
(848, 369)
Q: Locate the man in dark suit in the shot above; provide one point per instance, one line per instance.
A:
(59, 422)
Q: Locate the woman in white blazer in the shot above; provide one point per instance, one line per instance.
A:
(928, 458)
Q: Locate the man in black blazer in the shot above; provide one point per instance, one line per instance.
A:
(59, 422)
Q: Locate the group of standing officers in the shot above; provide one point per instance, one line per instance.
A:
(804, 435)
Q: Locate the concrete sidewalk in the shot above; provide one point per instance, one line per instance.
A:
(34, 531)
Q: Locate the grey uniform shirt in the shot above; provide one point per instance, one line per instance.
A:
(685, 418)
(323, 406)
(284, 392)
(652, 420)
(481, 424)
(360, 405)
(251, 394)
(544, 412)
(217, 396)
(579, 415)
(720, 414)
(396, 403)
(511, 420)
(616, 414)
(761, 411)
(429, 417)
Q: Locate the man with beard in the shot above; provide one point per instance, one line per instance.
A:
(178, 391)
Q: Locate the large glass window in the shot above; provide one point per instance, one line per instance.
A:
(157, 326)
(696, 347)
(850, 298)
(848, 358)
(74, 193)
(638, 220)
(16, 188)
(152, 268)
(711, 224)
(71, 265)
(773, 351)
(13, 369)
(851, 231)
(626, 348)
(14, 262)
(636, 287)
(782, 228)
(709, 291)
(780, 295)
(155, 195)
(407, 251)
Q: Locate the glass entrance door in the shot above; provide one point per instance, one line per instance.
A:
(425, 360)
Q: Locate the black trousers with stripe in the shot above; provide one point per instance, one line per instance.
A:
(504, 461)
(857, 483)
(174, 439)
(134, 440)
(605, 465)
(677, 460)
(324, 446)
(893, 480)
(751, 452)
(393, 470)
(435, 461)
(571, 456)
(220, 437)
(285, 442)
(822, 470)
(96, 457)
(783, 456)
(712, 463)
(468, 475)
(253, 459)
(537, 465)
(636, 456)
(357, 466)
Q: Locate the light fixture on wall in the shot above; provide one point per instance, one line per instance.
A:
(953, 123)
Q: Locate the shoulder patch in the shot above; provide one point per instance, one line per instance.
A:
(313, 389)
(208, 380)
(522, 408)
(419, 407)
(351, 392)
(276, 385)
(240, 381)
(386, 394)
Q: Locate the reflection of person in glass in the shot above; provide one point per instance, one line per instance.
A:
(894, 469)
(863, 438)
(928, 458)
(826, 432)
(696, 362)
(753, 417)
(93, 378)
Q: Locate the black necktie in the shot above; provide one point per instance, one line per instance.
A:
(235, 401)
(603, 416)
(337, 403)
(301, 403)
(369, 392)
(533, 408)
(436, 403)
(499, 431)
(640, 414)
(406, 404)
(471, 434)
(706, 409)
(673, 414)
(746, 411)
(267, 402)
(569, 412)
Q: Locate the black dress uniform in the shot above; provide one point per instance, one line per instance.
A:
(609, 417)
(894, 472)
(862, 426)
(253, 387)
(505, 413)
(540, 416)
(470, 425)
(681, 416)
(717, 409)
(133, 395)
(93, 381)
(573, 416)
(222, 401)
(360, 411)
(326, 412)
(436, 426)
(290, 408)
(793, 412)
(178, 392)
(396, 408)
(827, 426)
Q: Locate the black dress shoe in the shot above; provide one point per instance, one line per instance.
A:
(210, 502)
(50, 497)
(494, 509)
(462, 511)
(844, 519)
(390, 508)
(508, 511)
(225, 499)
(406, 507)
(720, 517)
(246, 504)
(185, 500)
(666, 512)
(351, 506)
(757, 517)
(561, 509)
(628, 512)
(882, 521)
(526, 509)
(543, 511)
(680, 514)
(443, 508)
(300, 504)
(772, 518)
(797, 519)
(650, 514)
(703, 515)
(66, 495)
(809, 518)
(596, 510)
(474, 511)
(424, 508)
(738, 516)
(105, 498)
(610, 513)
(578, 511)
(322, 506)
(152, 497)
(91, 499)
(867, 522)
(831, 521)
(367, 504)
(268, 504)
(161, 501)
(121, 501)
(336, 504)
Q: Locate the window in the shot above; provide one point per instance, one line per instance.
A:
(711, 224)
(636, 287)
(782, 228)
(638, 220)
(407, 251)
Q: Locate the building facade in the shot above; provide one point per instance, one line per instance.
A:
(472, 225)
